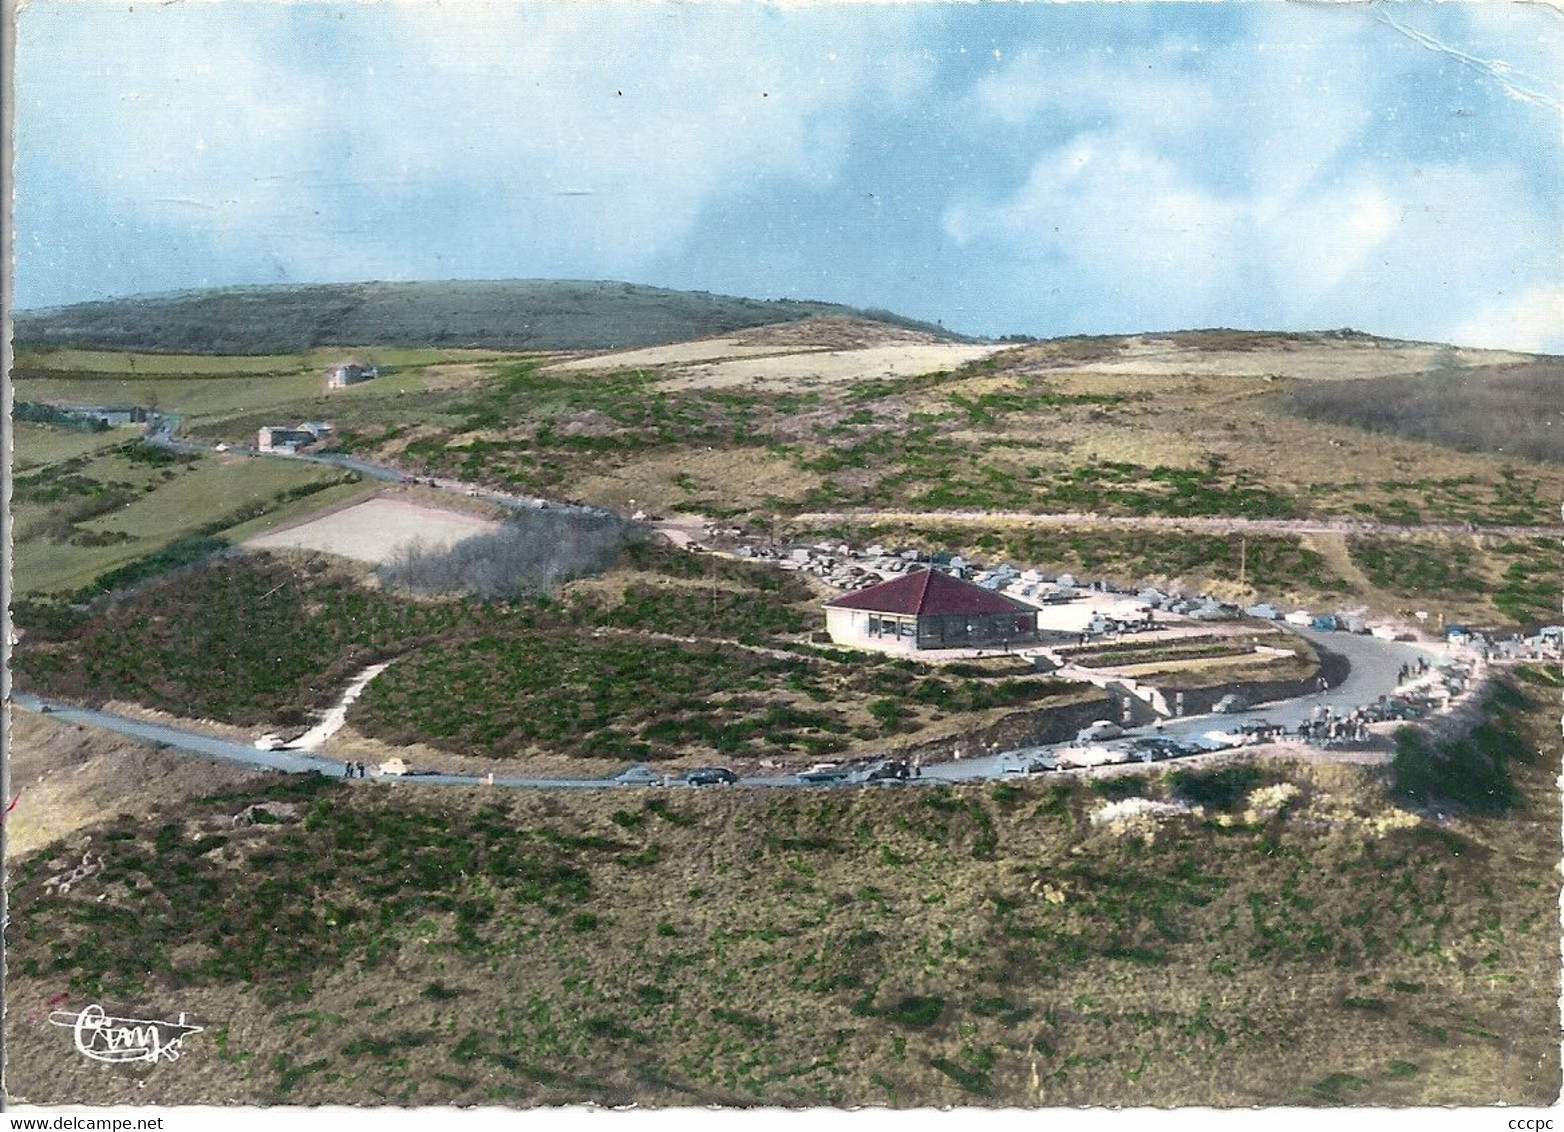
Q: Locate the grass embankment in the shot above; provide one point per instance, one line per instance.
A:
(1503, 581)
(1507, 409)
(673, 655)
(1297, 941)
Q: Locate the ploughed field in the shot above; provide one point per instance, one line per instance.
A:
(1276, 934)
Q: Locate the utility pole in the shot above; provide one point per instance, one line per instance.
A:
(1243, 557)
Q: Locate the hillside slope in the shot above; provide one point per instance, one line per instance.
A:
(527, 314)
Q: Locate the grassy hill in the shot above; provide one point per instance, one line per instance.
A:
(521, 314)
(1298, 939)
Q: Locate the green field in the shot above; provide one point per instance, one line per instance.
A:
(515, 314)
(68, 362)
(79, 511)
(38, 445)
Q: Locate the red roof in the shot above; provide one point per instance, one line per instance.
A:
(929, 593)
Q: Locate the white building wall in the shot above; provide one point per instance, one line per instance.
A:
(851, 627)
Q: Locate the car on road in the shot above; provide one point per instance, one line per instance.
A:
(1154, 748)
(889, 770)
(711, 776)
(823, 774)
(270, 743)
(1231, 703)
(45, 709)
(638, 775)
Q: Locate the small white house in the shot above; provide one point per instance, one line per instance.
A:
(288, 440)
(350, 372)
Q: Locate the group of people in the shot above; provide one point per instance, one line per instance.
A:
(1327, 725)
(1410, 670)
(353, 770)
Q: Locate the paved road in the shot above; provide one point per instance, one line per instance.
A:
(161, 433)
(226, 750)
(298, 761)
(1375, 664)
(1374, 667)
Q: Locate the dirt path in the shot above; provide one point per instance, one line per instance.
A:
(1333, 548)
(674, 638)
(1192, 523)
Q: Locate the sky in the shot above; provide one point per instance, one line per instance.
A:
(1001, 168)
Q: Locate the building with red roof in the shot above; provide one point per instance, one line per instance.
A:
(927, 609)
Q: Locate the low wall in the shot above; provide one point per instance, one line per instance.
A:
(1198, 701)
(1027, 728)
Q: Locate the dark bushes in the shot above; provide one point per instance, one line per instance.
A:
(1216, 789)
(1507, 409)
(531, 554)
(1472, 770)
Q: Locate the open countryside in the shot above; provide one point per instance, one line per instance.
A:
(1141, 696)
(812, 556)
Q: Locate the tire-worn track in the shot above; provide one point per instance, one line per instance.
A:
(1219, 524)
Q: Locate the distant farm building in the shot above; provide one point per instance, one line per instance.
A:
(283, 439)
(927, 609)
(110, 415)
(347, 373)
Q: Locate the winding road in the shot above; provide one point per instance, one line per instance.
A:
(1374, 666)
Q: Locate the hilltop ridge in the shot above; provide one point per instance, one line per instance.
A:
(521, 314)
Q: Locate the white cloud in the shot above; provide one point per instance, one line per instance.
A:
(1531, 321)
(1193, 194)
(538, 134)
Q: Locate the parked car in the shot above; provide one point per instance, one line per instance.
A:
(270, 743)
(825, 773)
(889, 769)
(1099, 729)
(638, 775)
(1231, 703)
(711, 776)
(1154, 748)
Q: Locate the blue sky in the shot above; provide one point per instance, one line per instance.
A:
(1003, 168)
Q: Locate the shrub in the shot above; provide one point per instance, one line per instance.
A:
(919, 1011)
(531, 553)
(1216, 789)
(1471, 770)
